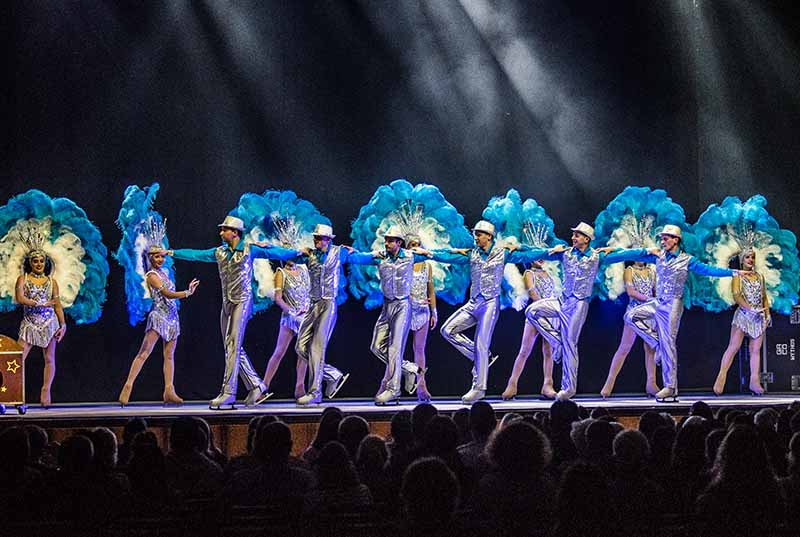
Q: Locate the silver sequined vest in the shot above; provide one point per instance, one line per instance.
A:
(324, 276)
(396, 275)
(671, 276)
(579, 273)
(235, 274)
(487, 274)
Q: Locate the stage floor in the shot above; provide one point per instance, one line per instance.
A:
(622, 405)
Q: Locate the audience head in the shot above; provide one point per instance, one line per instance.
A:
(563, 413)
(441, 437)
(509, 418)
(352, 430)
(328, 429)
(429, 493)
(631, 450)
(702, 409)
(420, 416)
(105, 448)
(600, 413)
(37, 438)
(690, 444)
(582, 501)
(766, 419)
(252, 428)
(732, 416)
(145, 438)
(520, 451)
(578, 434)
(372, 453)
(742, 458)
(273, 443)
(599, 440)
(400, 428)
(334, 467)
(649, 422)
(482, 420)
(147, 468)
(462, 421)
(133, 427)
(76, 454)
(661, 445)
(185, 435)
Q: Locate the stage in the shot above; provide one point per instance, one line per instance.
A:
(229, 427)
(287, 410)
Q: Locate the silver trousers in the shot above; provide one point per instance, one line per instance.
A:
(482, 314)
(312, 342)
(662, 336)
(560, 321)
(389, 339)
(233, 323)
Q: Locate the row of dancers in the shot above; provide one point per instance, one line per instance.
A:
(307, 286)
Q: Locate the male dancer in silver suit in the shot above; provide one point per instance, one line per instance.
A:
(579, 264)
(487, 261)
(235, 262)
(672, 269)
(396, 272)
(324, 263)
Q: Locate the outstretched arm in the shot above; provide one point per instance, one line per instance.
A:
(529, 255)
(451, 256)
(273, 252)
(356, 257)
(190, 254)
(627, 254)
(709, 270)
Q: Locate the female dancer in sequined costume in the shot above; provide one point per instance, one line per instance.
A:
(424, 317)
(540, 286)
(162, 322)
(751, 319)
(292, 285)
(640, 284)
(43, 317)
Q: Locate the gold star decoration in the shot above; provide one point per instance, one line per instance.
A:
(13, 366)
(3, 389)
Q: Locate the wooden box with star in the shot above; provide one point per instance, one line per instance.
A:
(12, 374)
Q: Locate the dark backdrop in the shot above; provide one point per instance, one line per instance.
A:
(567, 101)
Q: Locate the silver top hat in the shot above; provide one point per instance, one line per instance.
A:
(233, 223)
(671, 229)
(323, 230)
(396, 232)
(485, 226)
(585, 229)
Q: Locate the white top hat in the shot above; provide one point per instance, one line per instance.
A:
(671, 229)
(396, 232)
(586, 229)
(486, 227)
(324, 230)
(233, 223)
